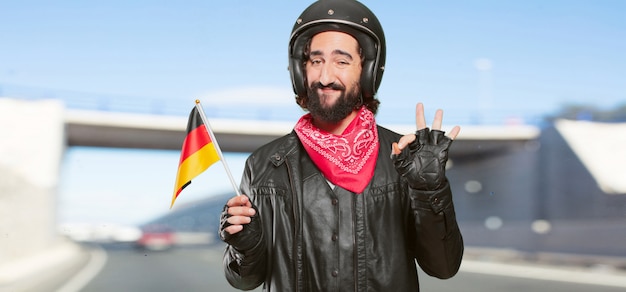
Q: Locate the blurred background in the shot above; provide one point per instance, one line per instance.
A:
(94, 98)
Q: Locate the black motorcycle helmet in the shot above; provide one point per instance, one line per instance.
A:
(348, 16)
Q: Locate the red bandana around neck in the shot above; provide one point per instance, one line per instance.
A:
(347, 160)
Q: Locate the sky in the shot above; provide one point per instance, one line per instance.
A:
(508, 57)
(478, 60)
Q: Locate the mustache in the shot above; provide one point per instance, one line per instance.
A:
(334, 86)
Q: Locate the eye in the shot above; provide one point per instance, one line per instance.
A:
(342, 63)
(315, 62)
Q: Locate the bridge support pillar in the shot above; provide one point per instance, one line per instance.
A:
(32, 143)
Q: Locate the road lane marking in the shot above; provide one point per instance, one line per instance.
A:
(96, 262)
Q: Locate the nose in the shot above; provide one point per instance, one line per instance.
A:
(327, 75)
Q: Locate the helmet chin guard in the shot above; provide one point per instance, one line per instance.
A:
(348, 16)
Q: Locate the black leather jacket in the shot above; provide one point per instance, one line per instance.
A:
(317, 238)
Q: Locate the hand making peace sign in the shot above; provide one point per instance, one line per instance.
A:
(423, 164)
(420, 121)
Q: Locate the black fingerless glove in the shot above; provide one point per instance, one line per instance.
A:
(423, 164)
(245, 239)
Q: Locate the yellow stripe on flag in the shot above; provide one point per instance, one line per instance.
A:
(195, 164)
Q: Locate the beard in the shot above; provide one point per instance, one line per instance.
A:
(347, 102)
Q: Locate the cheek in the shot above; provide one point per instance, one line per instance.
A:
(351, 77)
(310, 76)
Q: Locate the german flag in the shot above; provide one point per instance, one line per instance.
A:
(197, 154)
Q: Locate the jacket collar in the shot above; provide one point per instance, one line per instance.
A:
(288, 146)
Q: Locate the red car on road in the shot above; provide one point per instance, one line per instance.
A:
(156, 237)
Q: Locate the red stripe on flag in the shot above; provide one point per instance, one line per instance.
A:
(195, 140)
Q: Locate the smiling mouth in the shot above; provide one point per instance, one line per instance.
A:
(328, 93)
(328, 90)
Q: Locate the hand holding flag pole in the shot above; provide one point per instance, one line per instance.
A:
(199, 151)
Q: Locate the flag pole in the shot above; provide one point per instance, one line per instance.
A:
(217, 146)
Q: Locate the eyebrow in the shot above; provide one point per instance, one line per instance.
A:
(335, 52)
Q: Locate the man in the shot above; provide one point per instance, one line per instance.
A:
(340, 203)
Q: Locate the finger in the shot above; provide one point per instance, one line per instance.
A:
(238, 220)
(233, 229)
(241, 211)
(420, 120)
(454, 132)
(438, 120)
(394, 149)
(238, 201)
(406, 140)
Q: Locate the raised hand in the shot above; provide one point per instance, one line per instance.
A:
(423, 164)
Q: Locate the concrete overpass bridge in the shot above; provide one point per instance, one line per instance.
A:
(109, 129)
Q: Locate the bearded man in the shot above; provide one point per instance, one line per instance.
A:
(341, 203)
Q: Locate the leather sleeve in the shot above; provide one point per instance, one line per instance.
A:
(245, 270)
(439, 244)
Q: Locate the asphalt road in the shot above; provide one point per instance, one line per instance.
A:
(199, 269)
